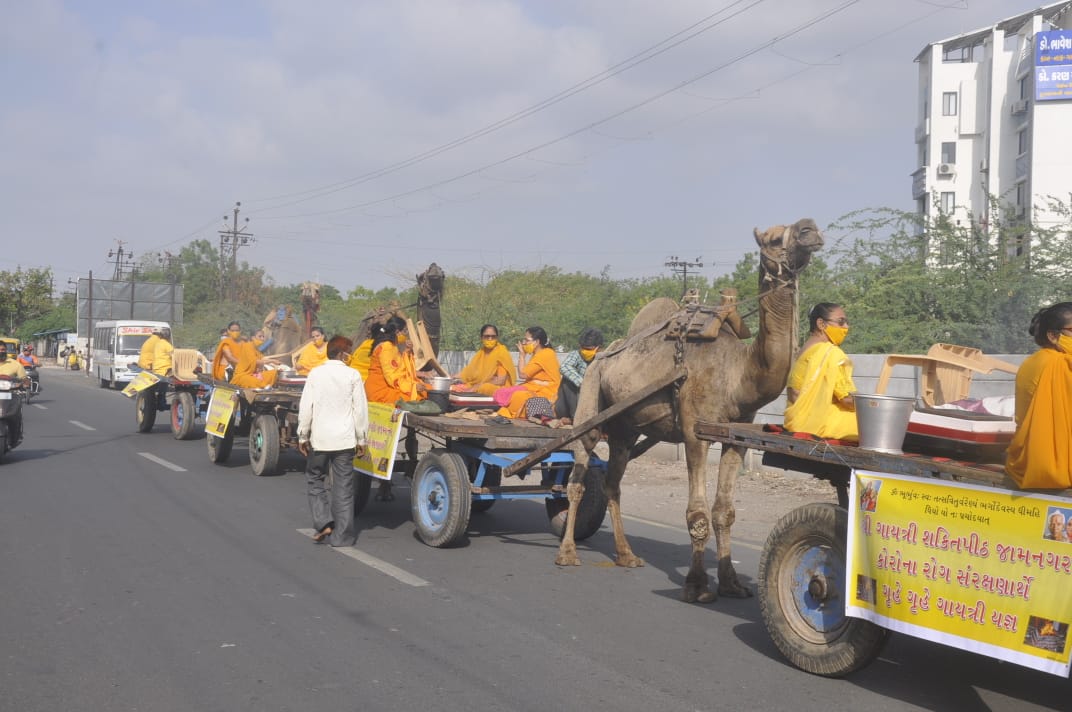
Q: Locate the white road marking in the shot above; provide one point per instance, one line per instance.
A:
(83, 426)
(652, 523)
(161, 461)
(378, 564)
(38, 405)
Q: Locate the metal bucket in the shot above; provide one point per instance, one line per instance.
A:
(439, 392)
(440, 384)
(882, 421)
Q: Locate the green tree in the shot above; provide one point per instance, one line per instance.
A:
(25, 295)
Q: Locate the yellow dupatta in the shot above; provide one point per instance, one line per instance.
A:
(1040, 454)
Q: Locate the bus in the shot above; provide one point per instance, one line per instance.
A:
(116, 346)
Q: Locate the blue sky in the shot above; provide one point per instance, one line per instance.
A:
(335, 123)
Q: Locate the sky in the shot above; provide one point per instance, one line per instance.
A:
(366, 139)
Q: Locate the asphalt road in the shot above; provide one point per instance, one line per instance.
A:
(136, 575)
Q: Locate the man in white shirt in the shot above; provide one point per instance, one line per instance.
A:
(333, 419)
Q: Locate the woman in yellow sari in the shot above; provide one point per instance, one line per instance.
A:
(227, 352)
(1040, 454)
(249, 372)
(538, 366)
(820, 384)
(491, 367)
(392, 372)
(313, 353)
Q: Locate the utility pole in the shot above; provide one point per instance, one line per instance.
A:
(230, 241)
(123, 261)
(678, 266)
(167, 262)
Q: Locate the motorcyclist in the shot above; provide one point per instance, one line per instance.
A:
(12, 367)
(27, 357)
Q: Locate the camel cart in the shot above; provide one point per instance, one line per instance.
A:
(186, 394)
(267, 417)
(940, 548)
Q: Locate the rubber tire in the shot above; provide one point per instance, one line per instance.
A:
(104, 383)
(491, 479)
(145, 408)
(264, 445)
(362, 492)
(839, 644)
(590, 513)
(441, 501)
(183, 417)
(219, 449)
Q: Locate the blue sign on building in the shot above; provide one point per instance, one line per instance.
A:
(1053, 65)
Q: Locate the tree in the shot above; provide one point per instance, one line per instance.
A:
(25, 295)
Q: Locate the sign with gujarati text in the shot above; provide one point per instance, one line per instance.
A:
(981, 569)
(385, 427)
(220, 409)
(136, 330)
(144, 379)
(1053, 65)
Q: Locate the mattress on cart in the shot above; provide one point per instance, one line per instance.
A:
(964, 435)
(471, 400)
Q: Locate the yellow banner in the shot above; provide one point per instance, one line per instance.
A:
(144, 379)
(220, 408)
(385, 427)
(986, 570)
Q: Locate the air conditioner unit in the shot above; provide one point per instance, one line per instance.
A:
(946, 169)
(1019, 107)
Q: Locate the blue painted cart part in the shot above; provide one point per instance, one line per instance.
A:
(432, 490)
(818, 570)
(561, 462)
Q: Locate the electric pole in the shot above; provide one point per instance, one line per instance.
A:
(167, 262)
(123, 261)
(230, 241)
(678, 266)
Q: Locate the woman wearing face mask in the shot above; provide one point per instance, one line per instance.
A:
(573, 368)
(820, 387)
(491, 367)
(1040, 454)
(538, 366)
(249, 372)
(313, 353)
(392, 372)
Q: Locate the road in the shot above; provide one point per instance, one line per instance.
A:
(139, 576)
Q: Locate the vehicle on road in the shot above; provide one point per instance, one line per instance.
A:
(11, 397)
(115, 348)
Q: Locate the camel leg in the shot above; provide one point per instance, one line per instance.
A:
(697, 521)
(723, 515)
(567, 548)
(620, 446)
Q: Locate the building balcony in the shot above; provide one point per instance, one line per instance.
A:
(919, 183)
(923, 130)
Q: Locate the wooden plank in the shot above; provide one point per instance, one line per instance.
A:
(603, 416)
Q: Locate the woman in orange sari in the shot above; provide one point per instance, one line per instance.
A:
(249, 372)
(227, 352)
(1040, 454)
(491, 367)
(392, 372)
(538, 367)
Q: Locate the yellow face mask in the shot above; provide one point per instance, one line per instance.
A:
(588, 354)
(401, 339)
(836, 334)
(529, 347)
(1064, 343)
(234, 333)
(489, 344)
(318, 339)
(256, 341)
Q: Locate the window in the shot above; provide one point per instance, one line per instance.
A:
(948, 203)
(1021, 141)
(949, 152)
(949, 103)
(1021, 194)
(1023, 88)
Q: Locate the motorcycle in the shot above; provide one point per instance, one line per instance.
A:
(11, 396)
(35, 381)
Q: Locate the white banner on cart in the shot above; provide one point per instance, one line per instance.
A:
(977, 568)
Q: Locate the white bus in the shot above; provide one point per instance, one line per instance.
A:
(116, 346)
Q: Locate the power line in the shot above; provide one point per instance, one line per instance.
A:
(679, 266)
(592, 81)
(124, 262)
(230, 241)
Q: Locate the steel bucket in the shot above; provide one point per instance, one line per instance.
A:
(882, 421)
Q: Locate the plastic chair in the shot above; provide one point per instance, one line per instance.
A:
(945, 371)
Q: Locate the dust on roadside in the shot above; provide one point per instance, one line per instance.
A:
(656, 487)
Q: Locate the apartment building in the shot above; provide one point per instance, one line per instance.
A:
(995, 119)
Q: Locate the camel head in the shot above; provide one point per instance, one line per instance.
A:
(785, 250)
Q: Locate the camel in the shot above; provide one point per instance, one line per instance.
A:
(727, 381)
(284, 333)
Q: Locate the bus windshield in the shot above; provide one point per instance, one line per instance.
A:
(130, 344)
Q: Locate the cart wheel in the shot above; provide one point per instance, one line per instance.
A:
(219, 449)
(183, 416)
(145, 405)
(590, 513)
(264, 445)
(362, 491)
(801, 594)
(493, 478)
(441, 499)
